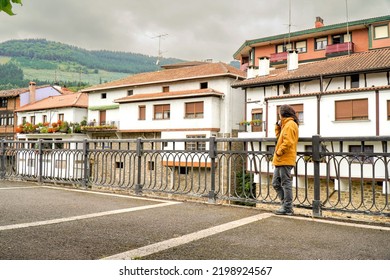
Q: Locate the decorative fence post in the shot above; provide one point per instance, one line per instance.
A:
(139, 153)
(213, 156)
(40, 161)
(2, 159)
(86, 164)
(316, 144)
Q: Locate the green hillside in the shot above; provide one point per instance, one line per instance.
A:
(52, 62)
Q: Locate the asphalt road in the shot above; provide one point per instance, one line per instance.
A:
(55, 223)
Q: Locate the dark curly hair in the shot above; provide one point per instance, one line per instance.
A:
(287, 111)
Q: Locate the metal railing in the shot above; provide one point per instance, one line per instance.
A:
(340, 174)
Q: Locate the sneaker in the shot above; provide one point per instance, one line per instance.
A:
(283, 211)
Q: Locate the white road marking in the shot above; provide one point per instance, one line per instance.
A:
(16, 188)
(107, 194)
(174, 242)
(319, 220)
(87, 216)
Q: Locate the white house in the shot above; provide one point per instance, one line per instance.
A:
(55, 118)
(177, 102)
(339, 97)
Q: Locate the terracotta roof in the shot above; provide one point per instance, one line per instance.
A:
(17, 91)
(12, 92)
(375, 60)
(331, 92)
(171, 75)
(60, 101)
(169, 95)
(183, 64)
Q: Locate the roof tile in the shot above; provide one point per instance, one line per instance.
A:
(60, 101)
(170, 75)
(374, 60)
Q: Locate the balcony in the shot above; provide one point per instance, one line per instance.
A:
(278, 57)
(94, 126)
(339, 49)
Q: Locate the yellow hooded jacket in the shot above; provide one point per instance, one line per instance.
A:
(286, 147)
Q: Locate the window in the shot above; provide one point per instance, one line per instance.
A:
(119, 164)
(141, 112)
(10, 119)
(44, 119)
(381, 32)
(101, 143)
(301, 46)
(286, 88)
(356, 109)
(6, 119)
(309, 151)
(130, 92)
(283, 48)
(257, 120)
(103, 95)
(150, 165)
(355, 81)
(32, 120)
(321, 43)
(61, 117)
(183, 170)
(204, 85)
(195, 146)
(24, 120)
(194, 110)
(298, 108)
(341, 38)
(388, 110)
(358, 149)
(3, 102)
(270, 152)
(3, 119)
(165, 88)
(162, 112)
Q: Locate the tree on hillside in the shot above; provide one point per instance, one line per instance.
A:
(6, 6)
(11, 75)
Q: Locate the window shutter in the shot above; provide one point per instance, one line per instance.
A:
(388, 109)
(142, 113)
(198, 107)
(343, 110)
(360, 108)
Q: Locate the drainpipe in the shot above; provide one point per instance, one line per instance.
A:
(377, 112)
(319, 106)
(266, 118)
(245, 110)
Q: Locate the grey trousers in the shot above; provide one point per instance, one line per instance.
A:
(282, 183)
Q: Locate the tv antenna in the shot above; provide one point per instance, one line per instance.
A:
(159, 56)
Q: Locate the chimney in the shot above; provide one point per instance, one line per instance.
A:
(32, 89)
(319, 22)
(264, 64)
(292, 60)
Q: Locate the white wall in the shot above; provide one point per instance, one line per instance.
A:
(70, 115)
(129, 115)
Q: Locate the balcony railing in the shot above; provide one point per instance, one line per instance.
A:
(278, 57)
(97, 126)
(339, 48)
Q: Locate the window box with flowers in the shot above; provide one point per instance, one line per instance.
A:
(257, 125)
(55, 127)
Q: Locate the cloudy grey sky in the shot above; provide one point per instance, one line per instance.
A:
(196, 30)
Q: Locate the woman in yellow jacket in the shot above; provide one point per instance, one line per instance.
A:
(284, 159)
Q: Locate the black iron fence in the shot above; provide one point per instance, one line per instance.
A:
(341, 174)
